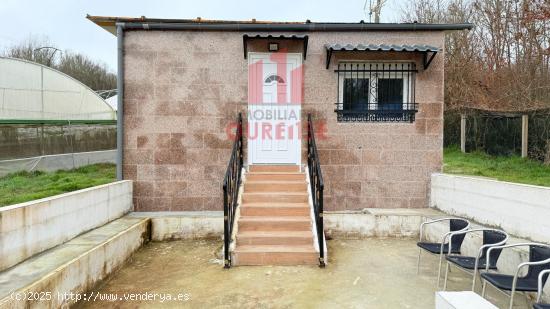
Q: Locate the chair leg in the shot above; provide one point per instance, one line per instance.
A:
(447, 267)
(418, 263)
(484, 288)
(439, 270)
(511, 300)
(474, 281)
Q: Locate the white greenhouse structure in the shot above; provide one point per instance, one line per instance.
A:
(31, 91)
(49, 120)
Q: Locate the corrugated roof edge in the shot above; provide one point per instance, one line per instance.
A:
(225, 25)
(382, 47)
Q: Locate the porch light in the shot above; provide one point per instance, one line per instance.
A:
(273, 47)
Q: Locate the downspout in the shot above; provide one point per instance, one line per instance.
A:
(120, 100)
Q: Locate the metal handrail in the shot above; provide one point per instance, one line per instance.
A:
(317, 187)
(231, 183)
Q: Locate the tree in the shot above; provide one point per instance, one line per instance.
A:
(84, 69)
(375, 8)
(504, 63)
(40, 50)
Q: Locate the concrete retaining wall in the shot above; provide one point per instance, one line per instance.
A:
(74, 267)
(64, 161)
(521, 210)
(184, 224)
(374, 222)
(32, 227)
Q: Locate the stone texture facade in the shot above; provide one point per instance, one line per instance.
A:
(183, 91)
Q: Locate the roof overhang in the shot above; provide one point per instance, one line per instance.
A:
(290, 37)
(143, 23)
(428, 51)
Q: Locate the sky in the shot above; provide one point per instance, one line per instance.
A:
(63, 22)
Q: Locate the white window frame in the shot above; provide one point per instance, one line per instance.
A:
(373, 84)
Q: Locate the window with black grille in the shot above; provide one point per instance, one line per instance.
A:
(376, 91)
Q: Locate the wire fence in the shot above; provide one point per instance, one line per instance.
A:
(499, 133)
(30, 140)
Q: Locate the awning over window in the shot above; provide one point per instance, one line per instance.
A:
(295, 37)
(428, 50)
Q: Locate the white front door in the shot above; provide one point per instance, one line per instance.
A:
(274, 106)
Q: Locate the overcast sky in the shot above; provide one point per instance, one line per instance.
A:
(64, 22)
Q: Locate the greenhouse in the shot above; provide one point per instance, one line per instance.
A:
(50, 121)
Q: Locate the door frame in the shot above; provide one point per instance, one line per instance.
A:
(250, 59)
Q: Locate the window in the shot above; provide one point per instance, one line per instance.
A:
(273, 78)
(376, 92)
(356, 93)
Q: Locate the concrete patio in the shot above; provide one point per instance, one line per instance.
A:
(368, 273)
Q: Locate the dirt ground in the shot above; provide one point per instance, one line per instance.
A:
(369, 273)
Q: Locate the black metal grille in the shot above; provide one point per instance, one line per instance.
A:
(376, 92)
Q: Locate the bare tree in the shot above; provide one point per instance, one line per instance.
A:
(375, 8)
(503, 64)
(35, 49)
(91, 73)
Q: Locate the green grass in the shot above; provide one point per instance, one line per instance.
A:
(24, 186)
(513, 169)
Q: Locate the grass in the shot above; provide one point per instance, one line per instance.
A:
(512, 169)
(26, 186)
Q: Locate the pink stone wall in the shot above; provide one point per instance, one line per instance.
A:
(183, 90)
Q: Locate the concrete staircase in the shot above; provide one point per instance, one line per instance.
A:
(275, 224)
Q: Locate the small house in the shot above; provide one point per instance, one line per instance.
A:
(373, 92)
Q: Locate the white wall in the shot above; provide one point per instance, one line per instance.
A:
(32, 227)
(521, 210)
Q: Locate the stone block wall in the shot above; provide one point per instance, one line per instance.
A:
(183, 91)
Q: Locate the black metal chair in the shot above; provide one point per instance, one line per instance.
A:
(455, 225)
(470, 264)
(539, 260)
(540, 287)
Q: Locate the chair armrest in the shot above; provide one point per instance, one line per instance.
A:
(520, 266)
(480, 252)
(540, 287)
(433, 221)
(450, 235)
(523, 244)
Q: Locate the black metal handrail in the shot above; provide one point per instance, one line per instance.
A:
(317, 187)
(231, 184)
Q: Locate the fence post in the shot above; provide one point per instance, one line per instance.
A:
(524, 135)
(463, 133)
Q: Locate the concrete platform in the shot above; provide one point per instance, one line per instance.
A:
(366, 273)
(73, 267)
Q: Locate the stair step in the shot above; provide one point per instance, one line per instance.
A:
(275, 186)
(276, 255)
(274, 168)
(266, 223)
(275, 209)
(275, 197)
(275, 176)
(274, 238)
